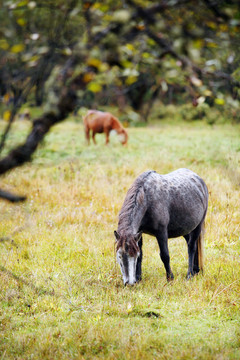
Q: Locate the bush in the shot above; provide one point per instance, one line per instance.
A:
(161, 111)
(231, 114)
(190, 113)
(187, 112)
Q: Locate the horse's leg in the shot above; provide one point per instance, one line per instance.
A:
(196, 268)
(162, 238)
(139, 262)
(93, 137)
(195, 263)
(87, 131)
(107, 131)
(193, 266)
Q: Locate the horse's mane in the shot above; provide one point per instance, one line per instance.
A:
(116, 120)
(135, 197)
(117, 123)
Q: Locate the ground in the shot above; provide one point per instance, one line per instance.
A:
(62, 295)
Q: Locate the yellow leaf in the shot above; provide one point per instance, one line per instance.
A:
(219, 101)
(198, 44)
(131, 79)
(212, 24)
(87, 77)
(94, 62)
(17, 48)
(6, 98)
(104, 8)
(140, 27)
(151, 42)
(3, 44)
(103, 67)
(67, 51)
(21, 22)
(127, 64)
(223, 27)
(145, 55)
(94, 87)
(22, 3)
(130, 47)
(212, 44)
(6, 115)
(96, 5)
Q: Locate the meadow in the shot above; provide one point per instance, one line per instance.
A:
(61, 291)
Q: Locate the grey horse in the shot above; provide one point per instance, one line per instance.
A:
(164, 206)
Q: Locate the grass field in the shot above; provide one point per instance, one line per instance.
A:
(61, 292)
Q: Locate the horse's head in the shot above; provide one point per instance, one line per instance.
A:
(127, 255)
(124, 136)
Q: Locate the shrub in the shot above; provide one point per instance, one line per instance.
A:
(190, 113)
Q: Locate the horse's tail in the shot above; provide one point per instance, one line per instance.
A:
(201, 247)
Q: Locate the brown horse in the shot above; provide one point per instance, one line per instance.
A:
(99, 122)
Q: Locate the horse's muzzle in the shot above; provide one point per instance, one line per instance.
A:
(129, 283)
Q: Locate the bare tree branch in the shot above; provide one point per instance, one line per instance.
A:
(41, 126)
(148, 14)
(213, 6)
(45, 67)
(11, 197)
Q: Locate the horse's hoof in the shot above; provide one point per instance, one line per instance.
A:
(170, 277)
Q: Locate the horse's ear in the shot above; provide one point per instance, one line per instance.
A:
(138, 236)
(116, 235)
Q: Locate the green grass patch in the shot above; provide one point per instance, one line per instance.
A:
(62, 295)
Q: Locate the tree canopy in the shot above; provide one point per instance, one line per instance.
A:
(64, 55)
